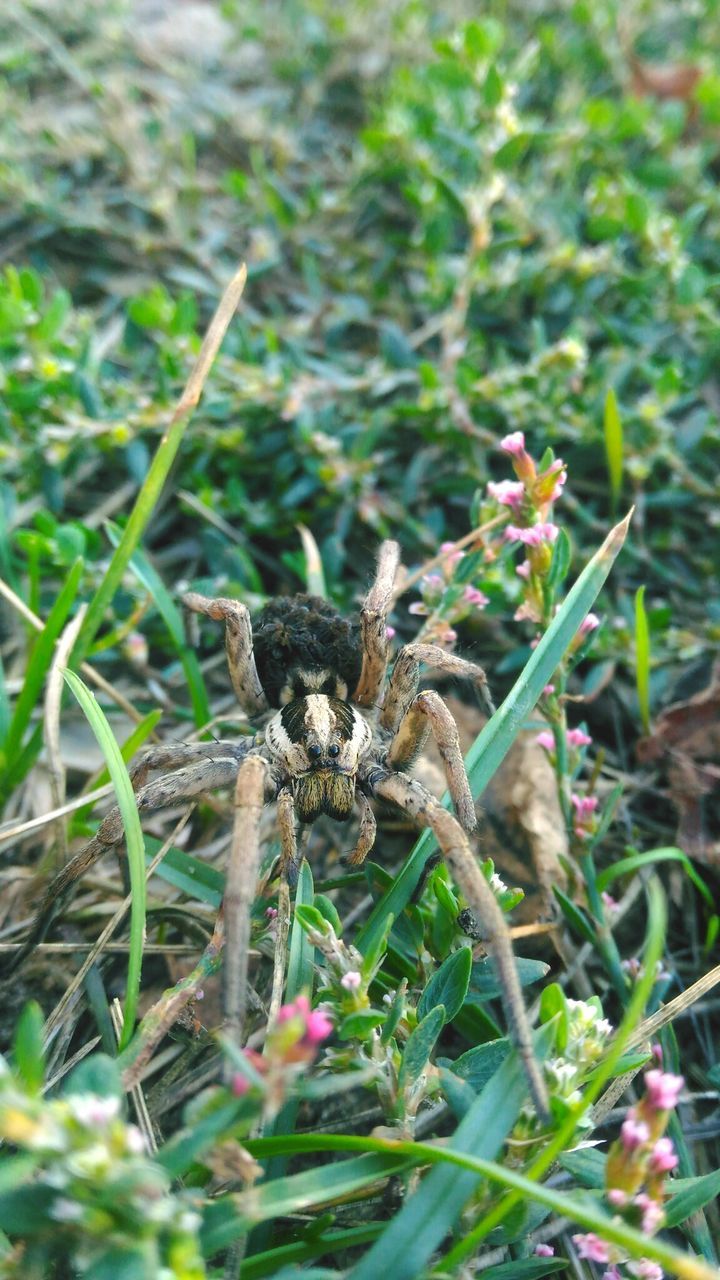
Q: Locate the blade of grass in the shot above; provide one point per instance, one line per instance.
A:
(636, 860)
(159, 468)
(147, 574)
(495, 740)
(642, 659)
(134, 838)
(314, 576)
(612, 424)
(38, 665)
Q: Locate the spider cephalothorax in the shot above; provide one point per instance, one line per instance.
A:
(331, 736)
(319, 741)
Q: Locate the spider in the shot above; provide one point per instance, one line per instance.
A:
(331, 736)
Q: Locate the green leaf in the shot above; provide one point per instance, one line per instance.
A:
(575, 916)
(612, 425)
(196, 878)
(642, 659)
(484, 981)
(553, 1004)
(560, 563)
(636, 860)
(300, 972)
(99, 1074)
(28, 1050)
(525, 1269)
(328, 911)
(448, 986)
(231, 1216)
(127, 805)
(420, 1045)
(357, 1026)
(479, 1064)
(586, 1166)
(122, 1264)
(492, 744)
(694, 1196)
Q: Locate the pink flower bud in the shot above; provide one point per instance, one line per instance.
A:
(634, 1133)
(514, 443)
(239, 1085)
(546, 740)
(509, 493)
(617, 1198)
(645, 1269)
(548, 690)
(588, 624)
(450, 550)
(472, 596)
(544, 1251)
(592, 1247)
(351, 980)
(662, 1157)
(271, 913)
(663, 1089)
(578, 738)
(390, 632)
(652, 1213)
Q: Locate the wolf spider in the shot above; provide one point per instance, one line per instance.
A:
(327, 742)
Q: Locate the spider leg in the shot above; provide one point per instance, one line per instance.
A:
(238, 646)
(176, 755)
(426, 714)
(373, 617)
(405, 679)
(289, 858)
(204, 775)
(366, 834)
(240, 888)
(410, 796)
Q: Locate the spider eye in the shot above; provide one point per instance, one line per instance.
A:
(314, 752)
(334, 750)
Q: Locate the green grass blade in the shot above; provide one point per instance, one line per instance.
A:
(149, 494)
(636, 860)
(642, 659)
(41, 655)
(134, 839)
(147, 574)
(300, 962)
(314, 575)
(612, 424)
(493, 743)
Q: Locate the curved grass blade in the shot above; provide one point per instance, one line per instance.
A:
(314, 575)
(493, 743)
(134, 839)
(160, 467)
(147, 574)
(636, 860)
(642, 659)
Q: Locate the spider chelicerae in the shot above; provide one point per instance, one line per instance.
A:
(332, 734)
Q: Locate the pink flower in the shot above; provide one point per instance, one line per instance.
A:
(652, 1213)
(544, 1251)
(450, 550)
(662, 1157)
(612, 1273)
(549, 688)
(390, 632)
(608, 901)
(578, 738)
(509, 493)
(663, 1089)
(448, 636)
(514, 443)
(588, 624)
(645, 1269)
(592, 1247)
(432, 582)
(584, 805)
(617, 1198)
(317, 1025)
(271, 913)
(534, 536)
(239, 1085)
(351, 980)
(546, 740)
(634, 1133)
(472, 596)
(523, 570)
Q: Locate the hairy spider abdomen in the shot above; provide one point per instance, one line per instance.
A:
(301, 645)
(324, 791)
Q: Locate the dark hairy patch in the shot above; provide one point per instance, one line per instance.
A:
(292, 718)
(300, 633)
(324, 792)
